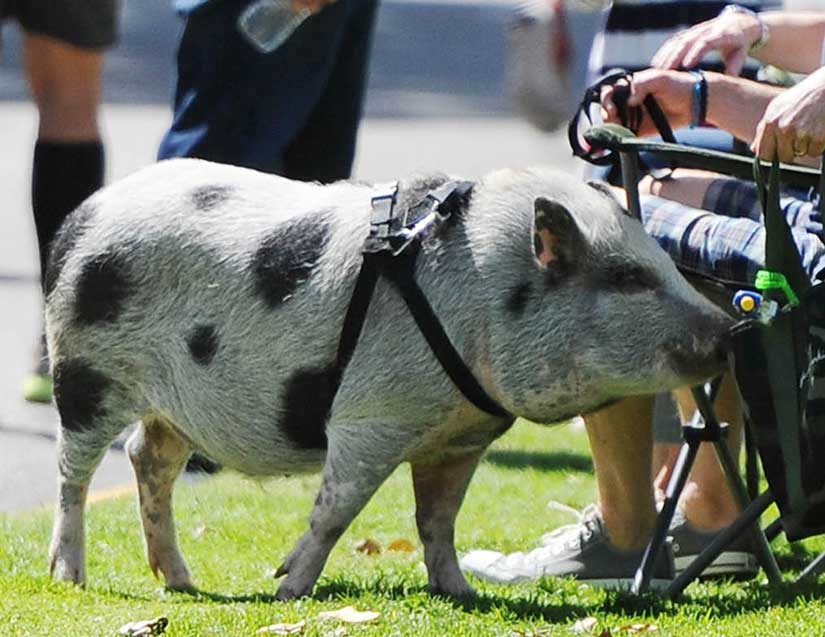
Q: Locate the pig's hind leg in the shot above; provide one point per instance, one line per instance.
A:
(158, 455)
(359, 459)
(93, 411)
(439, 492)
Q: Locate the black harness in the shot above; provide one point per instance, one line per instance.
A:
(391, 250)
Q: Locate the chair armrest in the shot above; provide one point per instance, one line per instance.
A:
(619, 139)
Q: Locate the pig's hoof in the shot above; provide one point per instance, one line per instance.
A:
(287, 592)
(456, 589)
(67, 570)
(181, 587)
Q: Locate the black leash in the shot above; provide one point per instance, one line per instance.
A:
(631, 117)
(391, 250)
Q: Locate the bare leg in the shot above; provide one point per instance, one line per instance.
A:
(65, 85)
(439, 492)
(685, 185)
(354, 469)
(664, 457)
(621, 442)
(158, 455)
(707, 500)
(64, 81)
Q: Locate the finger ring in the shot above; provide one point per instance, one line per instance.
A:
(800, 147)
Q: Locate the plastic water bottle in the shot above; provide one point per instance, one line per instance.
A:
(267, 24)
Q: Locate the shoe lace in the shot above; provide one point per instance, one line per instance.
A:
(588, 524)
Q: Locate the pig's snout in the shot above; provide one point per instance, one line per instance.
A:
(701, 351)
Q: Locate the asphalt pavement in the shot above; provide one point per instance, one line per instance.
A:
(437, 100)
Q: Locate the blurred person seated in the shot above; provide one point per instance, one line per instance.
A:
(711, 224)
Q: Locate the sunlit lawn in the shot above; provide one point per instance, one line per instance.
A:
(234, 532)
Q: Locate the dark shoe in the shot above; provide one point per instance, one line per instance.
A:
(737, 560)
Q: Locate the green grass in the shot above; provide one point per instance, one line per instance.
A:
(250, 526)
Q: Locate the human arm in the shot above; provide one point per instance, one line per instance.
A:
(794, 42)
(734, 104)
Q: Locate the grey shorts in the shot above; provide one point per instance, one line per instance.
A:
(89, 24)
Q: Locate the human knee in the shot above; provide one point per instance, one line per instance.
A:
(685, 185)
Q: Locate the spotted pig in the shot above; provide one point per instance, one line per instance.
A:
(205, 302)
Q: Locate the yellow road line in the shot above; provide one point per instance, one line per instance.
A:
(111, 493)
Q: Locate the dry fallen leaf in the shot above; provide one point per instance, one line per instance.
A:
(639, 628)
(283, 629)
(585, 625)
(532, 633)
(401, 545)
(144, 628)
(606, 633)
(368, 546)
(350, 615)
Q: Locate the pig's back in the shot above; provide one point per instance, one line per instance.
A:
(216, 295)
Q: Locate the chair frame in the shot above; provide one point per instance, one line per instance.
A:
(704, 426)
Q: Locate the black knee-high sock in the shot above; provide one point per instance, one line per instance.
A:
(63, 175)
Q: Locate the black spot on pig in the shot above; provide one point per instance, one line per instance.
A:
(308, 397)
(102, 287)
(287, 257)
(203, 343)
(79, 390)
(64, 242)
(209, 197)
(517, 300)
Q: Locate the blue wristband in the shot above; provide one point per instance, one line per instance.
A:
(699, 102)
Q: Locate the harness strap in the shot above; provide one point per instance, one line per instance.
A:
(391, 251)
(631, 118)
(356, 314)
(400, 273)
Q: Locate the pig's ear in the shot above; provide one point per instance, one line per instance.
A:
(555, 234)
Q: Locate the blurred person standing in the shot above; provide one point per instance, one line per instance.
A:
(63, 46)
(292, 111)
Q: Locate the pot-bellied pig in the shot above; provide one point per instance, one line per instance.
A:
(206, 302)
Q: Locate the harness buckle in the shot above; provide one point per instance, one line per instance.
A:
(392, 233)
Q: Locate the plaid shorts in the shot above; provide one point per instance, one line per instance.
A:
(725, 240)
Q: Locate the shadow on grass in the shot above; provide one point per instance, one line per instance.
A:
(555, 602)
(544, 461)
(558, 601)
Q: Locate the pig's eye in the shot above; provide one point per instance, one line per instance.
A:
(630, 279)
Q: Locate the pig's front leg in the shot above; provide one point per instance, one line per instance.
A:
(439, 492)
(359, 459)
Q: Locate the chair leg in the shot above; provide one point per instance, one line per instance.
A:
(773, 530)
(748, 517)
(681, 470)
(813, 569)
(763, 548)
(751, 462)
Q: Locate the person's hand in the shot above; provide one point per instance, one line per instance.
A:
(793, 125)
(673, 91)
(732, 34)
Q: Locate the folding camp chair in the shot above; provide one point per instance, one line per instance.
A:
(778, 359)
